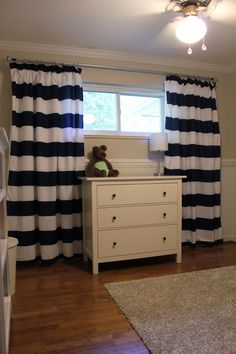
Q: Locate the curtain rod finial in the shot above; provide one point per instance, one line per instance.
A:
(9, 59)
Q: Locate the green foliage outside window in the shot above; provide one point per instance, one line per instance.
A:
(100, 111)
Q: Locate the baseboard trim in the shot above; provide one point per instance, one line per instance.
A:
(230, 238)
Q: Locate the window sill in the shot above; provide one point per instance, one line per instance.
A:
(116, 135)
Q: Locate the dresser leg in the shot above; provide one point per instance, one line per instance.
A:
(95, 267)
(178, 258)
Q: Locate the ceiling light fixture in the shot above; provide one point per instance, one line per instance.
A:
(192, 28)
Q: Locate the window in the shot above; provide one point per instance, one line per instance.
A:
(122, 112)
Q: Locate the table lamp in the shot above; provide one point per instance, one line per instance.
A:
(158, 142)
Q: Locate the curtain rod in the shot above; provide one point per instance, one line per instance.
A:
(109, 67)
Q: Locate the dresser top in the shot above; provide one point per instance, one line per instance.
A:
(132, 178)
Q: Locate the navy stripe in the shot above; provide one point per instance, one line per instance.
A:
(47, 179)
(30, 148)
(192, 81)
(53, 120)
(205, 200)
(29, 238)
(193, 150)
(190, 100)
(47, 92)
(203, 243)
(201, 224)
(35, 207)
(189, 125)
(195, 175)
(46, 68)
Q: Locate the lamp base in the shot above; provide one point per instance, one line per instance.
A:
(158, 166)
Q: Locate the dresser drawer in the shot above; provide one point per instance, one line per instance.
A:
(136, 193)
(137, 215)
(137, 240)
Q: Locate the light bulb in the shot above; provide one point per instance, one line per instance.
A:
(191, 30)
(190, 51)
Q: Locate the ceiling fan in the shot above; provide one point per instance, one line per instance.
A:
(192, 28)
(188, 5)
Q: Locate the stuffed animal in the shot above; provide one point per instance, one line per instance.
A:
(98, 166)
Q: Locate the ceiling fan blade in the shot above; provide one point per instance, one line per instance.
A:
(221, 11)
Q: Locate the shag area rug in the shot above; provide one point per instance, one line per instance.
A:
(188, 313)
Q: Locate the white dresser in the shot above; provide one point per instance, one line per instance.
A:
(131, 217)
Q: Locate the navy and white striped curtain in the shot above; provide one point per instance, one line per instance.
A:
(46, 157)
(194, 150)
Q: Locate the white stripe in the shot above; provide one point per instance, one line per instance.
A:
(47, 135)
(184, 112)
(201, 212)
(207, 188)
(192, 163)
(202, 235)
(67, 249)
(27, 253)
(45, 78)
(185, 138)
(45, 223)
(44, 194)
(46, 164)
(189, 89)
(47, 106)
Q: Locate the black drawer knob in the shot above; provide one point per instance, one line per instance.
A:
(113, 196)
(164, 194)
(164, 215)
(114, 244)
(164, 239)
(113, 218)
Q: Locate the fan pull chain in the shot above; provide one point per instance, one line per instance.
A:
(204, 47)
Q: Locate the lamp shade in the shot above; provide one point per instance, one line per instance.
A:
(158, 142)
(191, 29)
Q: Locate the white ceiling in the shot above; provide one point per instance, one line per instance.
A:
(118, 25)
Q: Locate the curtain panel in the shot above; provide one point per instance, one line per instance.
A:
(46, 157)
(194, 150)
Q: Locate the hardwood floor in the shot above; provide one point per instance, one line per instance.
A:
(62, 308)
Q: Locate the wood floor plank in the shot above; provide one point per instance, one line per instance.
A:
(61, 308)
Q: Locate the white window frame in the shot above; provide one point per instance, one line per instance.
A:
(157, 92)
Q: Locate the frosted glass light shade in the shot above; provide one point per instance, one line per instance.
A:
(158, 142)
(191, 29)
